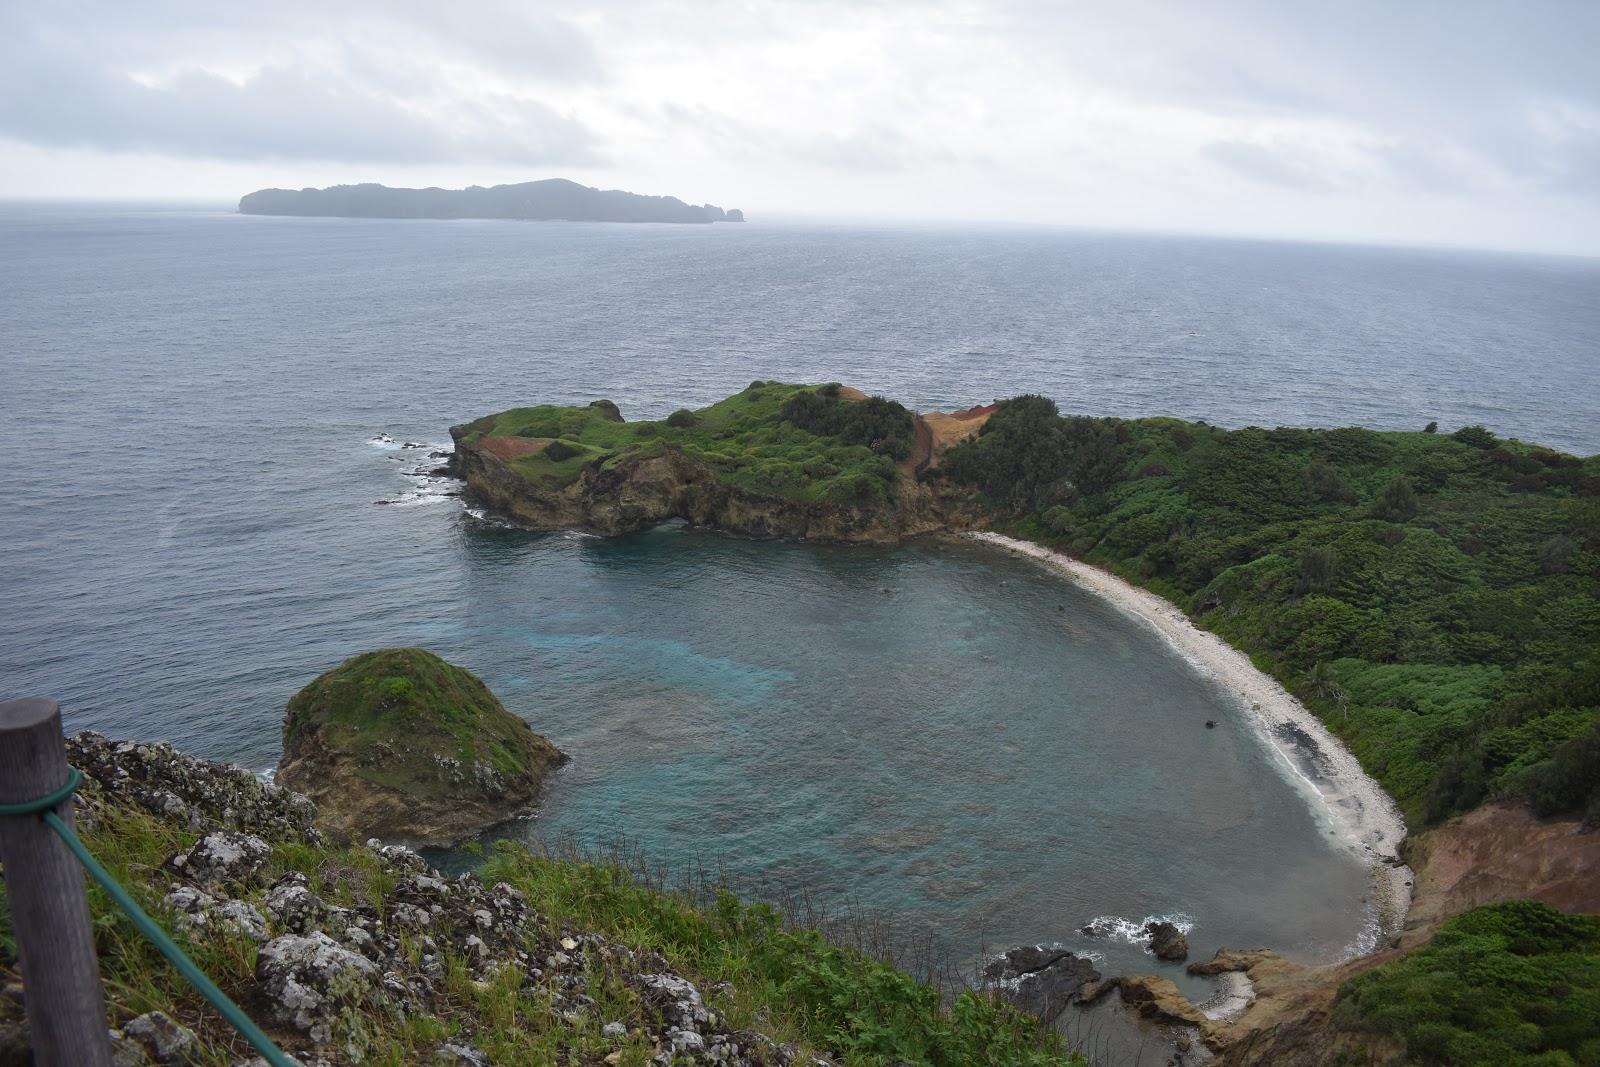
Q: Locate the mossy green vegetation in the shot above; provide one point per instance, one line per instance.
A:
(831, 998)
(795, 442)
(789, 983)
(398, 711)
(1508, 985)
(1434, 597)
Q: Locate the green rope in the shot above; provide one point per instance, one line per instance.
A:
(147, 926)
(48, 801)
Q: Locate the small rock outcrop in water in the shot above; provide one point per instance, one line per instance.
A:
(1167, 942)
(401, 745)
(1041, 981)
(550, 199)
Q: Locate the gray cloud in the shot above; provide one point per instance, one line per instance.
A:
(1449, 86)
(1284, 167)
(61, 85)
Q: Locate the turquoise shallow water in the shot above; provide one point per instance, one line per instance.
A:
(191, 531)
(938, 732)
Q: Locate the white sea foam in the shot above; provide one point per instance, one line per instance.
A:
(1360, 814)
(1116, 928)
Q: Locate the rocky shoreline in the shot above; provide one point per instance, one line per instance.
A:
(330, 978)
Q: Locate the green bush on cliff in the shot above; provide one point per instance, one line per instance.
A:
(881, 425)
(835, 998)
(1513, 985)
(1449, 586)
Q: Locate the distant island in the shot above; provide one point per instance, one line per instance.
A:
(553, 199)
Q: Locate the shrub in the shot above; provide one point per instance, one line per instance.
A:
(558, 450)
(1319, 571)
(1516, 983)
(1326, 484)
(682, 419)
(881, 425)
(1476, 436)
(1555, 555)
(1432, 427)
(1397, 502)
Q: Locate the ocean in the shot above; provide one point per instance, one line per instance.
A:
(209, 500)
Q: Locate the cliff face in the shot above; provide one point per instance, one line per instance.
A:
(638, 493)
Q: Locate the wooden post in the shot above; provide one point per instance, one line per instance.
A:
(49, 906)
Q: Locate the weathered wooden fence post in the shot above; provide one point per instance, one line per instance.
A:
(49, 906)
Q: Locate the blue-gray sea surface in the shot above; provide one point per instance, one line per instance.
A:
(191, 529)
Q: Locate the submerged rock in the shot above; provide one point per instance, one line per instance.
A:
(400, 744)
(1041, 981)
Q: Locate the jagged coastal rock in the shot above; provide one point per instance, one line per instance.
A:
(823, 463)
(335, 969)
(401, 745)
(1042, 980)
(548, 200)
(1167, 942)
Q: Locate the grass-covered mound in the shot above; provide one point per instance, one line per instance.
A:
(794, 442)
(1507, 985)
(399, 743)
(1434, 597)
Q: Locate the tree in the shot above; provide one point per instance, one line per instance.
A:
(1322, 685)
(1397, 502)
(1319, 571)
(1324, 481)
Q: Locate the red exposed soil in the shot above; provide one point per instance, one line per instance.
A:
(509, 448)
(1501, 852)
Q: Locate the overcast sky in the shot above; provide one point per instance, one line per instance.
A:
(1457, 123)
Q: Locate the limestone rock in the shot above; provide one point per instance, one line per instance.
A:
(312, 982)
(164, 1040)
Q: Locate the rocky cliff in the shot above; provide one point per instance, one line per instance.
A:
(820, 463)
(645, 491)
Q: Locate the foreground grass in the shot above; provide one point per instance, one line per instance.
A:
(1508, 985)
(1434, 597)
(790, 984)
(789, 981)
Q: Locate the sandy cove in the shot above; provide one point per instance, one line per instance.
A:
(1362, 814)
